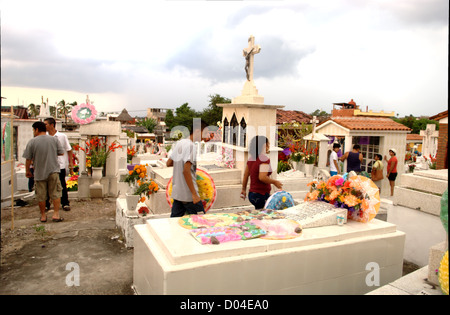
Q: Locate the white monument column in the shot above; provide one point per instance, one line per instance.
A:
(429, 136)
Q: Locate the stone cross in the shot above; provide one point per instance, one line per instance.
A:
(429, 135)
(314, 121)
(249, 53)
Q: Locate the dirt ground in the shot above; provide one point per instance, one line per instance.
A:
(52, 258)
(45, 258)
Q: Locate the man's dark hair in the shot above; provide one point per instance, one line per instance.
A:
(356, 147)
(51, 121)
(336, 145)
(39, 125)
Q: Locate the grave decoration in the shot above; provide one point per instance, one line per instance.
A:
(234, 232)
(280, 200)
(282, 229)
(207, 220)
(358, 194)
(72, 183)
(264, 214)
(84, 113)
(206, 189)
(217, 228)
(443, 274)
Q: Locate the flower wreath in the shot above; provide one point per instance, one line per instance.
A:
(84, 113)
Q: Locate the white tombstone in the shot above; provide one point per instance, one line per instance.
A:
(430, 136)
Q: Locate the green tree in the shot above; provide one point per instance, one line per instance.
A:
(416, 124)
(169, 119)
(213, 113)
(148, 123)
(33, 110)
(421, 124)
(184, 116)
(64, 109)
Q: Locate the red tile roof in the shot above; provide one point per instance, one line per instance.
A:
(20, 111)
(440, 115)
(414, 136)
(288, 116)
(368, 123)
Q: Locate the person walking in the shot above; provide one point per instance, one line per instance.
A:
(65, 161)
(392, 168)
(354, 159)
(377, 171)
(185, 194)
(334, 166)
(259, 170)
(43, 150)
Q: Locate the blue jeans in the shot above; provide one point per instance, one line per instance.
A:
(332, 173)
(258, 200)
(180, 208)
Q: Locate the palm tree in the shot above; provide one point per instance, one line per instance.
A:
(65, 108)
(33, 110)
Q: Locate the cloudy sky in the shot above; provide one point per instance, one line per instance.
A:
(385, 54)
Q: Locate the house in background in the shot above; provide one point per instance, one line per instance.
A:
(159, 115)
(375, 132)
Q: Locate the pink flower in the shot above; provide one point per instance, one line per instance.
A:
(339, 181)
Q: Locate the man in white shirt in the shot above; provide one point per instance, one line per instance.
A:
(334, 166)
(65, 161)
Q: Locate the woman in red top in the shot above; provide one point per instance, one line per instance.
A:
(392, 169)
(259, 170)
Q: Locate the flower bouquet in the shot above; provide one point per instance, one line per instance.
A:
(138, 178)
(358, 194)
(297, 154)
(72, 183)
(139, 172)
(130, 153)
(98, 151)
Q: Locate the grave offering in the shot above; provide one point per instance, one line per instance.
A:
(279, 201)
(233, 232)
(358, 194)
(282, 229)
(443, 274)
(206, 189)
(198, 221)
(265, 214)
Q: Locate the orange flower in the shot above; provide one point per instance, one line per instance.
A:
(351, 200)
(130, 172)
(142, 199)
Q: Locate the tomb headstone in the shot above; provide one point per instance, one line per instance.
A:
(430, 136)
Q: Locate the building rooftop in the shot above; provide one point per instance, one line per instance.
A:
(288, 116)
(367, 123)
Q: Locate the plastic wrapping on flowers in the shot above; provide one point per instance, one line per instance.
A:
(358, 194)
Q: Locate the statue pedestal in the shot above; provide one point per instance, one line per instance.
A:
(249, 95)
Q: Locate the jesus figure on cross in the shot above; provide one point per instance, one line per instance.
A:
(249, 53)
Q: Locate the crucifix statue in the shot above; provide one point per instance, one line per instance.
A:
(249, 53)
